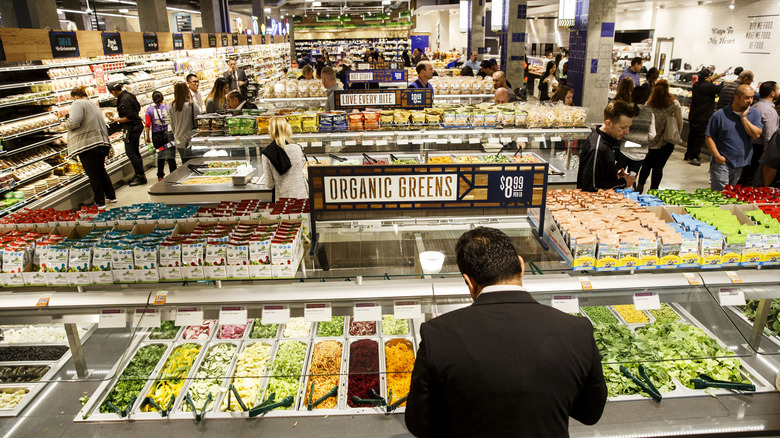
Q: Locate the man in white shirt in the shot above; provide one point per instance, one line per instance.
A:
(193, 83)
(236, 77)
(331, 84)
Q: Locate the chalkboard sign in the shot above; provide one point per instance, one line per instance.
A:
(376, 76)
(381, 65)
(150, 42)
(235, 39)
(212, 40)
(112, 43)
(2, 51)
(178, 41)
(408, 98)
(196, 44)
(224, 40)
(264, 39)
(510, 186)
(249, 39)
(64, 44)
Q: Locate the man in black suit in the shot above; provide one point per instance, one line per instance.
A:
(236, 77)
(236, 101)
(506, 365)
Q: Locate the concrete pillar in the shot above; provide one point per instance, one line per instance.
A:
(477, 27)
(36, 14)
(8, 14)
(513, 41)
(258, 11)
(292, 42)
(444, 31)
(152, 16)
(590, 55)
(214, 15)
(74, 5)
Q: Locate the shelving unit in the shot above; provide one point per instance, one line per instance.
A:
(391, 48)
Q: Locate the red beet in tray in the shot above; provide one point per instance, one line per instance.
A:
(363, 371)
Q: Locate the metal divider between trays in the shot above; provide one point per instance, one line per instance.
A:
(179, 406)
(301, 380)
(230, 378)
(382, 383)
(341, 391)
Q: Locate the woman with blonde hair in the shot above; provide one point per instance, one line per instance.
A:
(282, 162)
(183, 114)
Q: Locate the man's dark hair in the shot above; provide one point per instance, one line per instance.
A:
(738, 70)
(235, 94)
(617, 108)
(766, 89)
(651, 72)
(466, 71)
(484, 64)
(191, 75)
(420, 67)
(636, 60)
(487, 256)
(639, 95)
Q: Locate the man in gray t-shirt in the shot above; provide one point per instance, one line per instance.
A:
(765, 106)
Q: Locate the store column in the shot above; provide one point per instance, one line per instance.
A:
(258, 10)
(590, 55)
(513, 41)
(74, 5)
(477, 27)
(215, 17)
(36, 14)
(153, 16)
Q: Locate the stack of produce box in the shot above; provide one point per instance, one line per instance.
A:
(18, 249)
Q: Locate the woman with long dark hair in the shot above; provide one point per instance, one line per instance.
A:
(624, 91)
(183, 114)
(664, 105)
(549, 84)
(407, 59)
(157, 122)
(88, 139)
(215, 101)
(564, 95)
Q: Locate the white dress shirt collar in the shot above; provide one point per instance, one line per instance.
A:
(502, 288)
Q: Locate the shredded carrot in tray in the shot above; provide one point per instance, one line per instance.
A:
(399, 362)
(324, 372)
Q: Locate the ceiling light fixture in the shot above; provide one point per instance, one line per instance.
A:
(732, 6)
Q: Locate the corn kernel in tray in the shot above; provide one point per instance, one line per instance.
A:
(630, 314)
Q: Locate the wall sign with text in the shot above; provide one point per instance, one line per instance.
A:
(196, 43)
(178, 41)
(235, 39)
(407, 98)
(382, 65)
(377, 76)
(150, 42)
(112, 43)
(224, 40)
(64, 44)
(212, 40)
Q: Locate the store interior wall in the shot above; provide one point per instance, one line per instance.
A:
(545, 31)
(450, 36)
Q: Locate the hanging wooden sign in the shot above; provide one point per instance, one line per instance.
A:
(407, 98)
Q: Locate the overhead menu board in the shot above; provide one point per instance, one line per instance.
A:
(112, 43)
(382, 65)
(64, 44)
(408, 98)
(150, 42)
(377, 76)
(196, 43)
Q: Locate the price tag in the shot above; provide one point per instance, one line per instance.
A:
(335, 144)
(317, 312)
(539, 139)
(556, 139)
(112, 318)
(43, 301)
(441, 141)
(494, 140)
(188, 316)
(160, 298)
(474, 140)
(409, 309)
(566, 303)
(316, 144)
(233, 315)
(367, 312)
(506, 140)
(586, 284)
(368, 142)
(400, 141)
(146, 318)
(731, 297)
(734, 277)
(693, 280)
(276, 314)
(522, 139)
(646, 301)
(350, 143)
(381, 142)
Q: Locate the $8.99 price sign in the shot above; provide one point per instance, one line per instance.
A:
(510, 187)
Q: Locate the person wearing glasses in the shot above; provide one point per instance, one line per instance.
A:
(193, 83)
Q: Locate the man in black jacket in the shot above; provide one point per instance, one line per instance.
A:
(128, 109)
(703, 97)
(597, 159)
(506, 365)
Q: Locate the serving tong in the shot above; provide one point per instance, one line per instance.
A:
(332, 393)
(163, 412)
(122, 412)
(262, 408)
(199, 414)
(646, 385)
(705, 381)
(370, 159)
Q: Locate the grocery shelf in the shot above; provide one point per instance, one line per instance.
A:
(31, 146)
(20, 119)
(53, 154)
(32, 131)
(22, 84)
(73, 76)
(25, 101)
(37, 175)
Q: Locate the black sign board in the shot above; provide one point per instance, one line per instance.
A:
(249, 39)
(212, 40)
(112, 43)
(224, 40)
(235, 39)
(383, 65)
(64, 44)
(2, 51)
(264, 39)
(407, 98)
(178, 41)
(196, 44)
(150, 42)
(377, 76)
(509, 187)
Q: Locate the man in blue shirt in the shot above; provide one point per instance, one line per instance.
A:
(632, 72)
(729, 138)
(473, 63)
(424, 74)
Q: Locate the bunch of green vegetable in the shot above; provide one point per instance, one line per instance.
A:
(286, 370)
(616, 343)
(719, 369)
(677, 340)
(133, 378)
(772, 322)
(600, 314)
(665, 314)
(334, 327)
(263, 331)
(166, 330)
(618, 384)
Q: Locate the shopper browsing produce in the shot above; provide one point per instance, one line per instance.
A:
(194, 84)
(501, 96)
(549, 84)
(307, 73)
(282, 162)
(597, 160)
(767, 93)
(183, 114)
(88, 138)
(463, 385)
(641, 133)
(216, 101)
(729, 138)
(236, 101)
(157, 117)
(128, 109)
(726, 98)
(664, 107)
(330, 84)
(424, 74)
(565, 95)
(703, 93)
(632, 71)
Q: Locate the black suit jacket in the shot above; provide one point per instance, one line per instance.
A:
(233, 83)
(505, 366)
